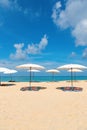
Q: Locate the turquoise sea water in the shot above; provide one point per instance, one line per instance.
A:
(41, 78)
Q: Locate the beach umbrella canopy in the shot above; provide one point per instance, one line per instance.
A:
(30, 67)
(75, 70)
(3, 69)
(71, 67)
(53, 71)
(10, 71)
(34, 71)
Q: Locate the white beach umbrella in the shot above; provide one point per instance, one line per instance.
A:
(53, 71)
(10, 71)
(71, 67)
(2, 69)
(33, 71)
(74, 71)
(30, 67)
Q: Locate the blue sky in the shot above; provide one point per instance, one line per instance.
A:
(46, 32)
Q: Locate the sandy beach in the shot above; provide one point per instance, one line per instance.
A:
(46, 109)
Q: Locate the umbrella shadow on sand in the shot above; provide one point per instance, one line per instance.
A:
(71, 89)
(32, 88)
(3, 84)
(11, 81)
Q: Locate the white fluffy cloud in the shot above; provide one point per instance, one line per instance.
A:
(37, 48)
(73, 16)
(80, 32)
(22, 53)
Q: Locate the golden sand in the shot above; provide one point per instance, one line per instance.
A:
(46, 109)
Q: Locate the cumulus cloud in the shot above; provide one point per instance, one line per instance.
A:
(37, 48)
(73, 16)
(80, 32)
(56, 11)
(22, 53)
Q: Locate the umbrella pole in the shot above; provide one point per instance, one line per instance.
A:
(71, 78)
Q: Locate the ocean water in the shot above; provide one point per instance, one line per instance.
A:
(41, 78)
